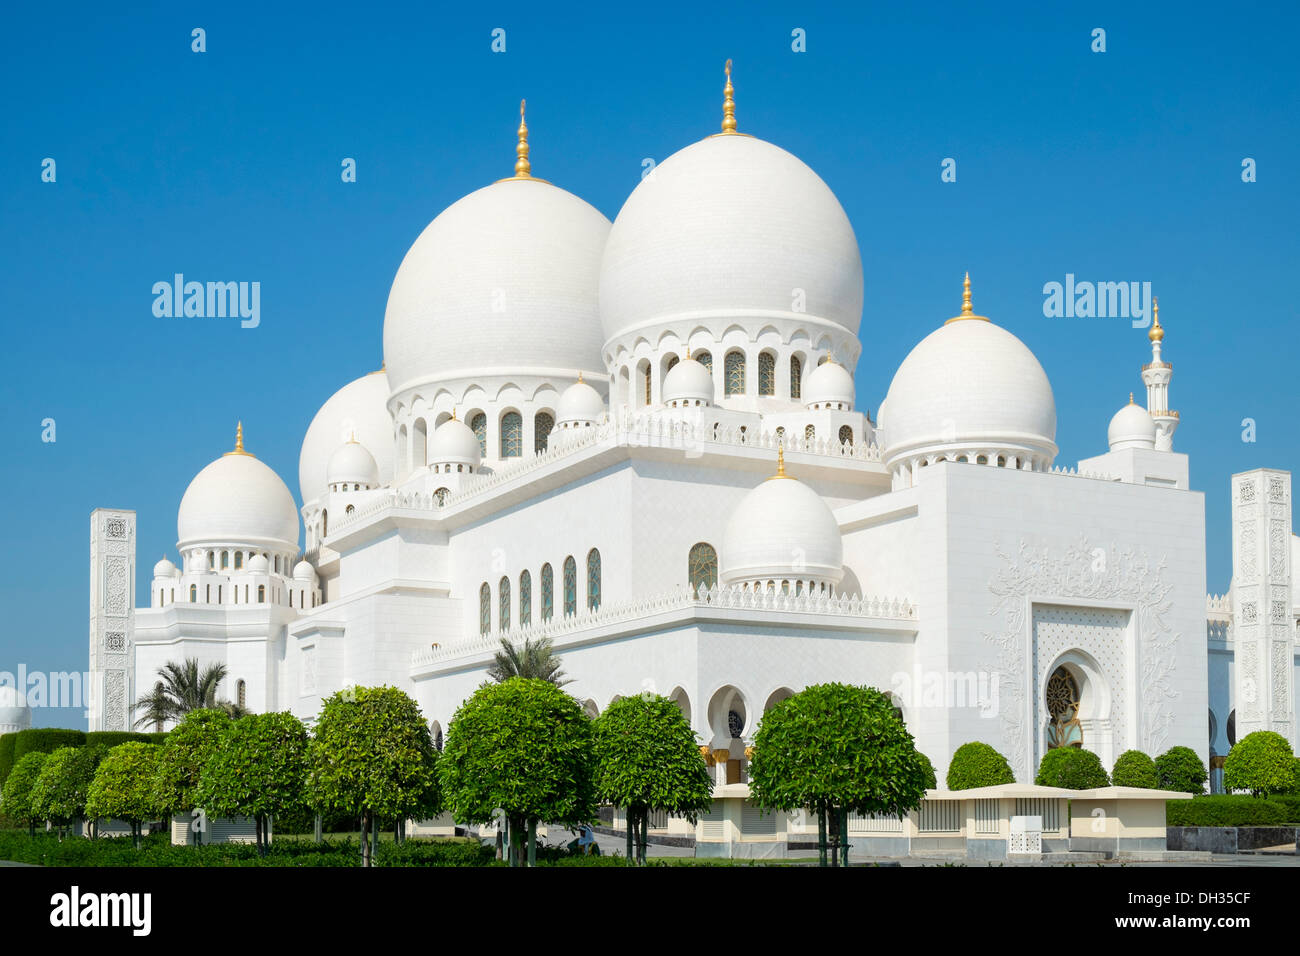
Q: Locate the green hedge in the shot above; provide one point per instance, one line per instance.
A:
(1232, 811)
(45, 740)
(6, 755)
(1072, 768)
(977, 764)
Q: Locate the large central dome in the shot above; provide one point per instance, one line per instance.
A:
(730, 227)
(504, 281)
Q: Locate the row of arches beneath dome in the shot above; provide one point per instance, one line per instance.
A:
(511, 611)
(288, 594)
(510, 434)
(738, 372)
(907, 471)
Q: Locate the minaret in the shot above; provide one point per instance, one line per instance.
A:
(1156, 375)
(112, 619)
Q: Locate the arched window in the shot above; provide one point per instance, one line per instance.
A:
(484, 609)
(796, 377)
(211, 560)
(702, 566)
(548, 593)
(324, 529)
(543, 422)
(441, 494)
(349, 509)
(525, 599)
(570, 586)
(734, 367)
(672, 360)
(780, 435)
(1063, 727)
(593, 580)
(225, 560)
(705, 359)
(478, 424)
(241, 696)
(766, 373)
(437, 738)
(512, 435)
(194, 594)
(846, 434)
(419, 445)
(648, 378)
(810, 433)
(261, 594)
(503, 603)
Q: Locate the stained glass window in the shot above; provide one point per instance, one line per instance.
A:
(512, 435)
(810, 433)
(503, 605)
(702, 566)
(705, 359)
(543, 422)
(647, 384)
(846, 434)
(525, 599)
(593, 579)
(735, 371)
(484, 609)
(548, 593)
(766, 373)
(570, 586)
(1063, 728)
(796, 377)
(478, 424)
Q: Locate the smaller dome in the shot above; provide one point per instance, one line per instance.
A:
(258, 564)
(164, 569)
(454, 443)
(782, 531)
(303, 571)
(688, 381)
(1131, 427)
(15, 712)
(829, 384)
(579, 403)
(352, 464)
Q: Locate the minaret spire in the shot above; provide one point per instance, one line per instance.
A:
(967, 310)
(523, 168)
(1157, 375)
(239, 441)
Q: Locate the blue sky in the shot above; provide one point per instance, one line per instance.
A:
(1123, 165)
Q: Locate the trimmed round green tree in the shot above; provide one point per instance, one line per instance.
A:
(1261, 762)
(371, 755)
(1072, 768)
(259, 771)
(835, 749)
(648, 759)
(1133, 768)
(181, 759)
(59, 793)
(978, 764)
(1181, 769)
(16, 799)
(523, 747)
(123, 786)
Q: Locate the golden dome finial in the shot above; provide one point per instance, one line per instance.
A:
(967, 310)
(1130, 398)
(239, 441)
(1156, 333)
(523, 168)
(579, 376)
(728, 103)
(688, 351)
(780, 462)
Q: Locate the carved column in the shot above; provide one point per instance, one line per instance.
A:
(111, 689)
(1261, 566)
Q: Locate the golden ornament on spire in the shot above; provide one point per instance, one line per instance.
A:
(1130, 398)
(728, 103)
(780, 465)
(967, 310)
(523, 168)
(1156, 333)
(239, 441)
(579, 376)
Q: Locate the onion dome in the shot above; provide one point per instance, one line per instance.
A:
(237, 500)
(164, 569)
(579, 404)
(15, 712)
(732, 229)
(454, 443)
(688, 383)
(303, 571)
(352, 464)
(969, 388)
(782, 532)
(258, 564)
(1131, 427)
(504, 279)
(359, 410)
(829, 385)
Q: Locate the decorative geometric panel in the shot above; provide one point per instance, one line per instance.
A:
(114, 700)
(309, 670)
(115, 641)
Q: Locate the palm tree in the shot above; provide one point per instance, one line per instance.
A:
(181, 689)
(534, 659)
